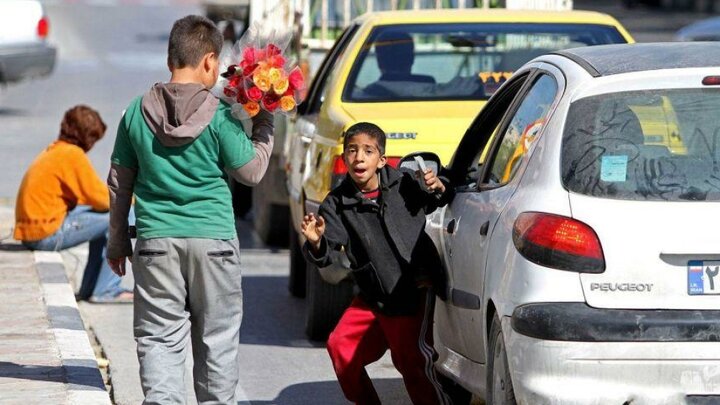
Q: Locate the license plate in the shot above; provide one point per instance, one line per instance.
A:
(703, 277)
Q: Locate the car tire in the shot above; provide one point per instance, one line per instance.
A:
(298, 266)
(325, 304)
(270, 220)
(241, 199)
(499, 384)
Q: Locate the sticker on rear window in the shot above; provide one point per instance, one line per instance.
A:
(613, 168)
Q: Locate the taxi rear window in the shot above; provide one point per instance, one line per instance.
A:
(653, 145)
(418, 62)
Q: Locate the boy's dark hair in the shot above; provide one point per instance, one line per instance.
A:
(82, 126)
(191, 38)
(369, 129)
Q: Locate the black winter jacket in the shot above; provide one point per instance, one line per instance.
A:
(386, 243)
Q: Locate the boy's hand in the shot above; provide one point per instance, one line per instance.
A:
(313, 227)
(433, 183)
(117, 266)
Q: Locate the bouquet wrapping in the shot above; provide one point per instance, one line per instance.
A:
(258, 74)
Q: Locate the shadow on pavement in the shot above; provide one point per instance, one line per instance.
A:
(329, 393)
(12, 247)
(75, 375)
(271, 316)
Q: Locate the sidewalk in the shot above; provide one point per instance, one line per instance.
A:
(45, 353)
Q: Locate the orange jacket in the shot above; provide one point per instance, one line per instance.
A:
(59, 179)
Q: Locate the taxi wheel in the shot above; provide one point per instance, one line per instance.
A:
(296, 280)
(499, 385)
(325, 304)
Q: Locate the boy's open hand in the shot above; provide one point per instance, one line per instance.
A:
(117, 266)
(313, 227)
(433, 183)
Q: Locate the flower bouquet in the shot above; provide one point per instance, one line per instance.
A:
(258, 75)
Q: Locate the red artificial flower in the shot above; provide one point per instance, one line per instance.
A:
(271, 101)
(229, 92)
(249, 55)
(272, 50)
(289, 92)
(234, 81)
(296, 79)
(248, 70)
(277, 61)
(254, 93)
(242, 96)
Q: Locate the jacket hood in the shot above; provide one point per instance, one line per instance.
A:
(177, 113)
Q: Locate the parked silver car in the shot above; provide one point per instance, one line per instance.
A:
(582, 248)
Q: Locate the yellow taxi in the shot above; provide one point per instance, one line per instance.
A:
(422, 76)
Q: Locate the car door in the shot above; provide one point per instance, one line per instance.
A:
(305, 125)
(510, 130)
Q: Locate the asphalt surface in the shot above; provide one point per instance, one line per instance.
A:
(111, 51)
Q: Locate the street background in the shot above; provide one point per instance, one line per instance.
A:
(110, 51)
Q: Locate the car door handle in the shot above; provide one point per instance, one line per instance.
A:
(484, 228)
(451, 226)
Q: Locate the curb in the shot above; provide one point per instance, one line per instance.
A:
(84, 382)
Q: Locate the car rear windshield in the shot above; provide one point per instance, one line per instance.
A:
(413, 62)
(659, 145)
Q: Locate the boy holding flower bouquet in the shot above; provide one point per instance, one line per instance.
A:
(174, 148)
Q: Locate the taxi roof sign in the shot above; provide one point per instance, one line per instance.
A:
(556, 5)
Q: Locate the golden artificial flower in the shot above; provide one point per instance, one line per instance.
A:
(287, 103)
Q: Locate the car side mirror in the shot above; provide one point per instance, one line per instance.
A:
(413, 162)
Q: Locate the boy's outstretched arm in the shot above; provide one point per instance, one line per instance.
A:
(439, 191)
(324, 233)
(252, 172)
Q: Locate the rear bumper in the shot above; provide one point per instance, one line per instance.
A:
(578, 322)
(585, 371)
(24, 62)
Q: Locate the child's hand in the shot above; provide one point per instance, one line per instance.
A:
(433, 183)
(313, 227)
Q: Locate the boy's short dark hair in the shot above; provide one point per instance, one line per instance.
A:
(369, 129)
(191, 38)
(82, 126)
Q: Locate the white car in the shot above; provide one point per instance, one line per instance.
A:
(582, 246)
(24, 52)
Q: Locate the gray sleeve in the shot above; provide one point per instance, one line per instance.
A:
(121, 182)
(253, 171)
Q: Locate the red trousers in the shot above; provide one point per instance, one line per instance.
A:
(362, 336)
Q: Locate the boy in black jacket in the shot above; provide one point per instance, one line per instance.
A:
(377, 214)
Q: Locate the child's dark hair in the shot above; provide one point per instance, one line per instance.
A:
(191, 38)
(82, 126)
(369, 129)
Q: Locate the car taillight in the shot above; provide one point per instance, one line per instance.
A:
(340, 170)
(558, 242)
(43, 27)
(711, 81)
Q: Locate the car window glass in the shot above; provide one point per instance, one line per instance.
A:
(522, 130)
(451, 61)
(316, 95)
(649, 145)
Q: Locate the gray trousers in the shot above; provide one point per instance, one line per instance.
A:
(187, 288)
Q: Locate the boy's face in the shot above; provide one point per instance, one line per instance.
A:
(363, 159)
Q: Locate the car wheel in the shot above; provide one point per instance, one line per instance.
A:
(296, 280)
(325, 304)
(270, 219)
(499, 385)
